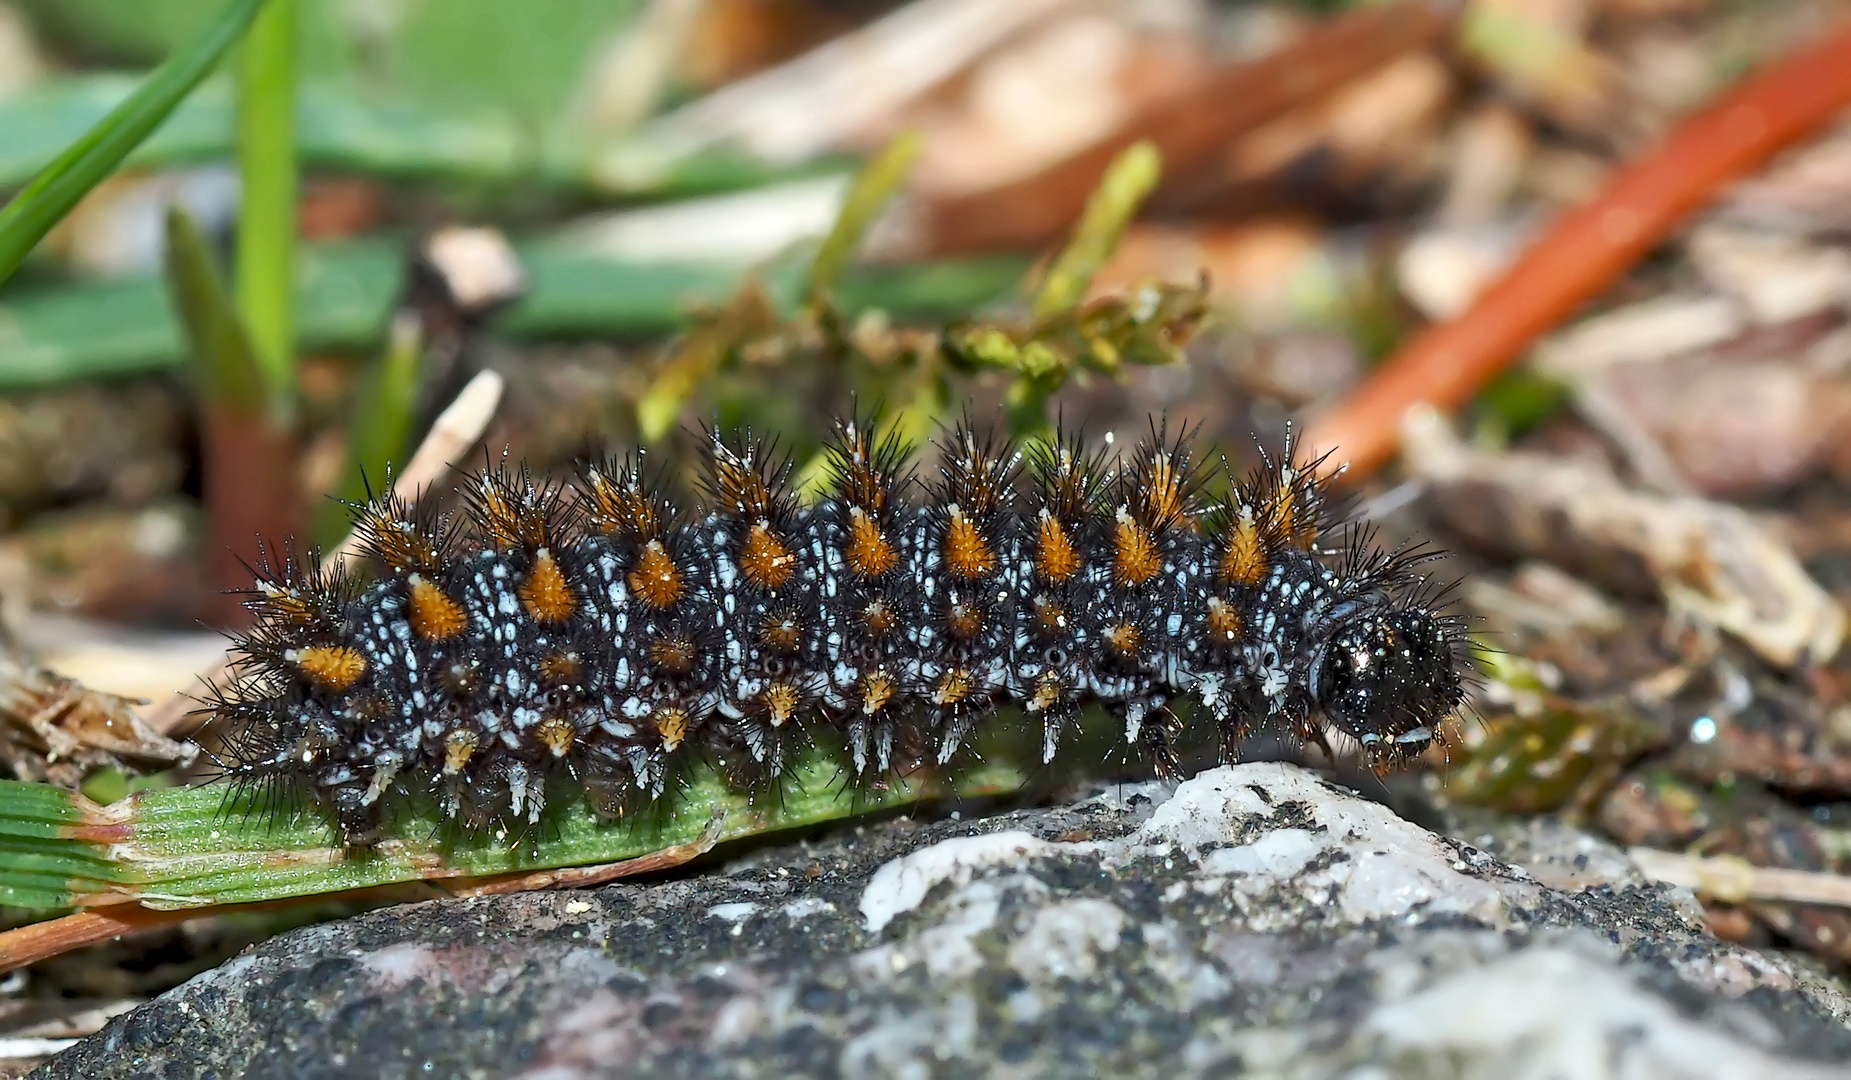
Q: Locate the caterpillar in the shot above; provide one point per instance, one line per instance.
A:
(599, 635)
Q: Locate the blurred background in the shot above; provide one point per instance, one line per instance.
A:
(646, 214)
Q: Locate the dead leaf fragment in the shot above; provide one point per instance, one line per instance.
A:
(1713, 563)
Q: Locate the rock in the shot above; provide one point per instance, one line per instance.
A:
(1256, 919)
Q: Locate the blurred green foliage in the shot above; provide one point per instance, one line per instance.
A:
(227, 371)
(93, 154)
(1067, 335)
(1515, 402)
(908, 373)
(263, 281)
(379, 429)
(345, 294)
(529, 57)
(1545, 751)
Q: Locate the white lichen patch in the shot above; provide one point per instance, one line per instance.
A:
(1552, 1011)
(733, 913)
(805, 906)
(948, 948)
(901, 885)
(1064, 940)
(1169, 952)
(913, 1045)
(397, 966)
(1273, 843)
(1340, 851)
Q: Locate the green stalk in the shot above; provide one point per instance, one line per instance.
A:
(228, 375)
(85, 163)
(873, 186)
(1042, 361)
(247, 442)
(347, 129)
(264, 283)
(1128, 182)
(345, 295)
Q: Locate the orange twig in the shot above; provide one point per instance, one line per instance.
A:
(54, 937)
(1587, 249)
(25, 945)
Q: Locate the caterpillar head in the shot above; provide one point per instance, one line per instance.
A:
(1387, 677)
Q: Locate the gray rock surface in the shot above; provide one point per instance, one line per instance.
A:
(1256, 920)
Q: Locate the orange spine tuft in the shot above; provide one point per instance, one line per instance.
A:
(1244, 559)
(1057, 560)
(1135, 559)
(329, 667)
(655, 579)
(869, 553)
(766, 560)
(546, 594)
(435, 616)
(968, 556)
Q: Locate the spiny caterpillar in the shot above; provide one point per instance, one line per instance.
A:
(598, 637)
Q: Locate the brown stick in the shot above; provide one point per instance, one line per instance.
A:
(1587, 249)
(1189, 129)
(54, 937)
(1735, 880)
(456, 429)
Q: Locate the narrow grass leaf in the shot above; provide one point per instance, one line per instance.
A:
(264, 283)
(183, 847)
(872, 188)
(86, 162)
(1129, 180)
(227, 370)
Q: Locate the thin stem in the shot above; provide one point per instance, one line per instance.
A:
(380, 425)
(264, 286)
(872, 188)
(1130, 180)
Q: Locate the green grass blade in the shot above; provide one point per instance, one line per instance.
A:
(345, 294)
(39, 810)
(1131, 178)
(84, 164)
(875, 184)
(228, 373)
(263, 284)
(348, 129)
(187, 847)
(50, 856)
(183, 847)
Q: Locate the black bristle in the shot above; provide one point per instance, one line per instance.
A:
(403, 539)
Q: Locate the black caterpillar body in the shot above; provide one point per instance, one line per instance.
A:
(598, 637)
